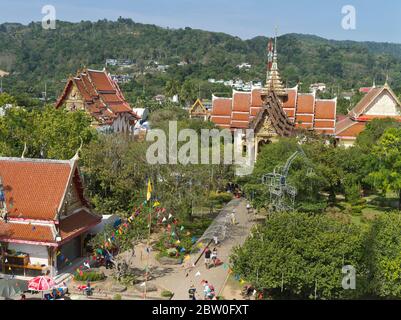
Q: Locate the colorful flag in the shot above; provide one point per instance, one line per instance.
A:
(149, 193)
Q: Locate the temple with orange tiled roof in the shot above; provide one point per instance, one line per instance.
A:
(292, 108)
(44, 215)
(378, 103)
(96, 93)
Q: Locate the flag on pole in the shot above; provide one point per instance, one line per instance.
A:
(149, 193)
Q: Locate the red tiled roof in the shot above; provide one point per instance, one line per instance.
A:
(26, 232)
(256, 100)
(245, 106)
(366, 101)
(305, 103)
(77, 223)
(292, 98)
(305, 118)
(241, 101)
(324, 124)
(101, 81)
(221, 107)
(103, 98)
(240, 116)
(34, 188)
(325, 109)
(349, 128)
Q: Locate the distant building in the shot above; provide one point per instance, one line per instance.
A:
(111, 62)
(160, 98)
(96, 93)
(316, 87)
(198, 110)
(244, 65)
(44, 215)
(365, 89)
(301, 110)
(378, 103)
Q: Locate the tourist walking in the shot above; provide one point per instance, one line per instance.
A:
(208, 253)
(214, 256)
(233, 220)
(192, 292)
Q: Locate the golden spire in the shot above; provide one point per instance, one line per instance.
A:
(273, 82)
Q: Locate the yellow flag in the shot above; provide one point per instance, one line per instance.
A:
(156, 204)
(149, 194)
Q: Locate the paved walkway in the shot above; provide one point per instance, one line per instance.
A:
(177, 281)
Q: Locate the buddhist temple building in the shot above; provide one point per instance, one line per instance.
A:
(287, 108)
(96, 93)
(199, 111)
(378, 103)
(44, 216)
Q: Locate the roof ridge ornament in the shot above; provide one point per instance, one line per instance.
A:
(76, 156)
(24, 151)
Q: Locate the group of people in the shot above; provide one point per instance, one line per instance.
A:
(209, 292)
(211, 255)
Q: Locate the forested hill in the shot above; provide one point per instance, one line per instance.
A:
(35, 56)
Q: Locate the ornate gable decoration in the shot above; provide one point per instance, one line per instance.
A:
(198, 108)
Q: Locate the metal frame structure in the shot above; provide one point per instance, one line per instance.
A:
(282, 195)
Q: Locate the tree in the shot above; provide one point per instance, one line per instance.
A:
(383, 247)
(6, 98)
(172, 88)
(48, 133)
(387, 173)
(296, 255)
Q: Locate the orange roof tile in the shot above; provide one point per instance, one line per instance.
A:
(325, 109)
(104, 99)
(100, 80)
(219, 120)
(324, 124)
(34, 188)
(77, 223)
(256, 100)
(240, 116)
(12, 231)
(292, 98)
(304, 118)
(305, 103)
(349, 128)
(221, 107)
(239, 124)
(304, 125)
(241, 101)
(290, 112)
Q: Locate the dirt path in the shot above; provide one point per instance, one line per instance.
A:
(177, 282)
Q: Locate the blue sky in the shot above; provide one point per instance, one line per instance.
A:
(375, 20)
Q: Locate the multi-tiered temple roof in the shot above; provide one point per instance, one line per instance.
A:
(303, 110)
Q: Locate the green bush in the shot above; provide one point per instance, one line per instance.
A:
(89, 276)
(117, 297)
(220, 197)
(167, 294)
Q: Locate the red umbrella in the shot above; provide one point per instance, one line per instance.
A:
(41, 283)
